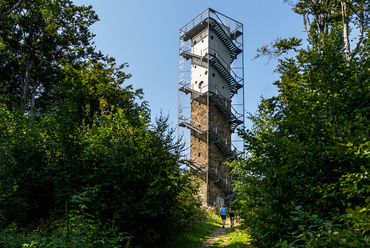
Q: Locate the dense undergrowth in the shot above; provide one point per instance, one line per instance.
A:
(112, 184)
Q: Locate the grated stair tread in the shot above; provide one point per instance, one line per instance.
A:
(220, 105)
(217, 179)
(226, 39)
(221, 145)
(215, 62)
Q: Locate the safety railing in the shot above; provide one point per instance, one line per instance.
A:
(191, 122)
(234, 26)
(233, 111)
(191, 51)
(226, 65)
(197, 20)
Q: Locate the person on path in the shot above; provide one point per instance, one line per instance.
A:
(223, 212)
(232, 215)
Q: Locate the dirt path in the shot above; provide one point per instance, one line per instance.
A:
(213, 237)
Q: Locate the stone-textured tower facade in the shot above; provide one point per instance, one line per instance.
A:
(210, 45)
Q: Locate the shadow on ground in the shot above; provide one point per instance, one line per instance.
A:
(194, 237)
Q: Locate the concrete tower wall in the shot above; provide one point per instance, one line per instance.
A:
(199, 67)
(205, 43)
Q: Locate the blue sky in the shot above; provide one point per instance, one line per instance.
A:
(145, 34)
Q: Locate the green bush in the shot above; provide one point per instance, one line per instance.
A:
(113, 182)
(309, 146)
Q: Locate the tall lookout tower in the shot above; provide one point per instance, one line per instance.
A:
(211, 99)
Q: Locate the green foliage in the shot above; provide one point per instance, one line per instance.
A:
(38, 37)
(112, 177)
(236, 238)
(350, 229)
(279, 47)
(80, 163)
(304, 181)
(12, 238)
(199, 230)
(96, 88)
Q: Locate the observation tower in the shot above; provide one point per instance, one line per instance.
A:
(211, 100)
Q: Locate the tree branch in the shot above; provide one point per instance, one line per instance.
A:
(361, 15)
(305, 19)
(11, 9)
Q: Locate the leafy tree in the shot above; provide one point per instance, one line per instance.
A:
(8, 6)
(115, 176)
(37, 38)
(80, 163)
(303, 182)
(97, 88)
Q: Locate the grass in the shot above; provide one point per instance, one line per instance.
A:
(196, 233)
(235, 238)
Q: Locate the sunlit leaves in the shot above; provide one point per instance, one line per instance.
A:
(37, 39)
(310, 145)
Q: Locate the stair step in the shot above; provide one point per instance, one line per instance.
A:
(224, 110)
(224, 37)
(217, 179)
(224, 73)
(221, 145)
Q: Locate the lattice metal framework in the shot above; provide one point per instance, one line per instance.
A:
(211, 98)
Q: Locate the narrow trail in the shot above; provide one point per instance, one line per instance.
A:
(213, 237)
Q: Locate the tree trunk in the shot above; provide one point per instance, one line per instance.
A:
(29, 65)
(345, 31)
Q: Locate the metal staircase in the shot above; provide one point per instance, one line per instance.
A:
(221, 33)
(226, 111)
(225, 38)
(210, 104)
(225, 73)
(216, 139)
(220, 182)
(223, 69)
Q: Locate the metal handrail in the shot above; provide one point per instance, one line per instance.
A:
(205, 15)
(237, 25)
(226, 65)
(189, 49)
(231, 143)
(228, 188)
(191, 122)
(185, 83)
(203, 53)
(198, 19)
(186, 157)
(232, 109)
(220, 14)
